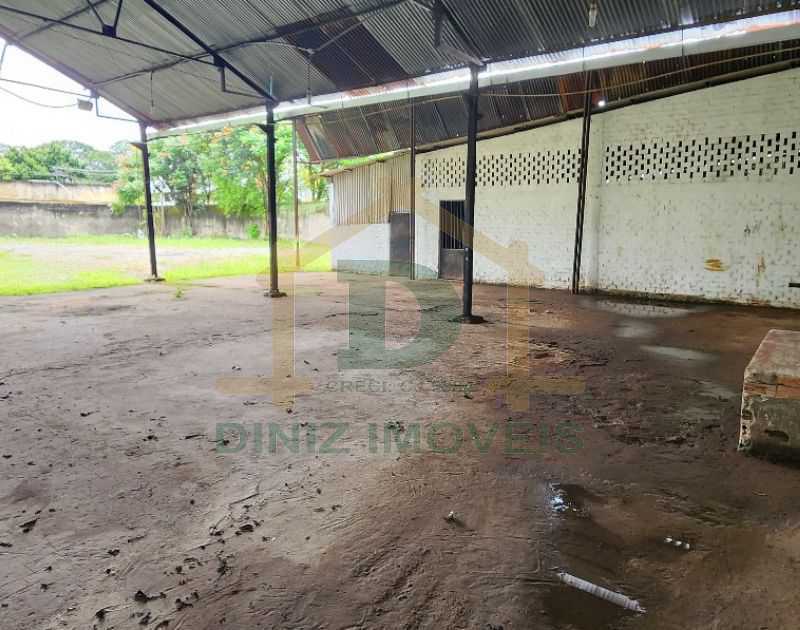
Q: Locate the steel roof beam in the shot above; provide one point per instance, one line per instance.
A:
(66, 18)
(272, 38)
(71, 73)
(93, 9)
(53, 22)
(208, 50)
(439, 10)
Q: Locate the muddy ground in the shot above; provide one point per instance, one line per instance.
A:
(575, 438)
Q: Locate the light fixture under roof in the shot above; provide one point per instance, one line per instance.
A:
(594, 11)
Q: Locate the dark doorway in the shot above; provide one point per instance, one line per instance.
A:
(451, 240)
(400, 244)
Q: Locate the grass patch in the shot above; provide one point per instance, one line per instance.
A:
(124, 240)
(23, 275)
(312, 258)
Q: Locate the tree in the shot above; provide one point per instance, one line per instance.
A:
(177, 168)
(130, 182)
(63, 160)
(226, 169)
(240, 178)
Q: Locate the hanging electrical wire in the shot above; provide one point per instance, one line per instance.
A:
(36, 103)
(607, 89)
(341, 118)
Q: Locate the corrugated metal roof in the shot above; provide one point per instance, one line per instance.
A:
(444, 118)
(359, 50)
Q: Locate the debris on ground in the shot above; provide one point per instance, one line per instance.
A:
(28, 526)
(679, 544)
(143, 598)
(603, 593)
(396, 425)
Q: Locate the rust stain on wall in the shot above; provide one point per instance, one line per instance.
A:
(715, 264)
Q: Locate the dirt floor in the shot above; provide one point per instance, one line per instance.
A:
(577, 444)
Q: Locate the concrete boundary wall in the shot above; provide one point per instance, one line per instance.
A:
(55, 220)
(52, 192)
(695, 196)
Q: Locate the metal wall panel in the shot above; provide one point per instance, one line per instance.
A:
(371, 193)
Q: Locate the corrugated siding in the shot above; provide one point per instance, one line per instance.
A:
(386, 45)
(370, 193)
(380, 128)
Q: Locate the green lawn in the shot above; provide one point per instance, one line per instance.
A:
(312, 258)
(125, 240)
(24, 275)
(36, 266)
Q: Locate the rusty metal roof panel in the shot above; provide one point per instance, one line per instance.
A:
(360, 49)
(400, 120)
(381, 127)
(429, 123)
(412, 47)
(272, 67)
(444, 118)
(453, 112)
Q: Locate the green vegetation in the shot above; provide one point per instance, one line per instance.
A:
(125, 240)
(312, 258)
(225, 170)
(61, 160)
(48, 270)
(24, 275)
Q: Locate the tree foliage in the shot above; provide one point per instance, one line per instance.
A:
(66, 161)
(225, 169)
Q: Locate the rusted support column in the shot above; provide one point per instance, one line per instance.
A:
(296, 197)
(272, 206)
(473, 98)
(148, 201)
(412, 242)
(582, 179)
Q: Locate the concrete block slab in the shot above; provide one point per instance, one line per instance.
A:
(771, 397)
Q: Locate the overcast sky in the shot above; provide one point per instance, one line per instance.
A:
(24, 124)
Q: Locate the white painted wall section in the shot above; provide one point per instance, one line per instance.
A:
(696, 195)
(361, 248)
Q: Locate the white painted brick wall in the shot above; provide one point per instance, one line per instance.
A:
(731, 239)
(508, 220)
(664, 237)
(365, 245)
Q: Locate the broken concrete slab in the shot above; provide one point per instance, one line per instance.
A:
(771, 397)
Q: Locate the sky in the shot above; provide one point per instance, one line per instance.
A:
(25, 124)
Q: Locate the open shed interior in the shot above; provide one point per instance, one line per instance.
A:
(551, 381)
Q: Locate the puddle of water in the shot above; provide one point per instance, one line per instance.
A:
(682, 354)
(590, 550)
(567, 607)
(631, 329)
(715, 390)
(633, 309)
(570, 499)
